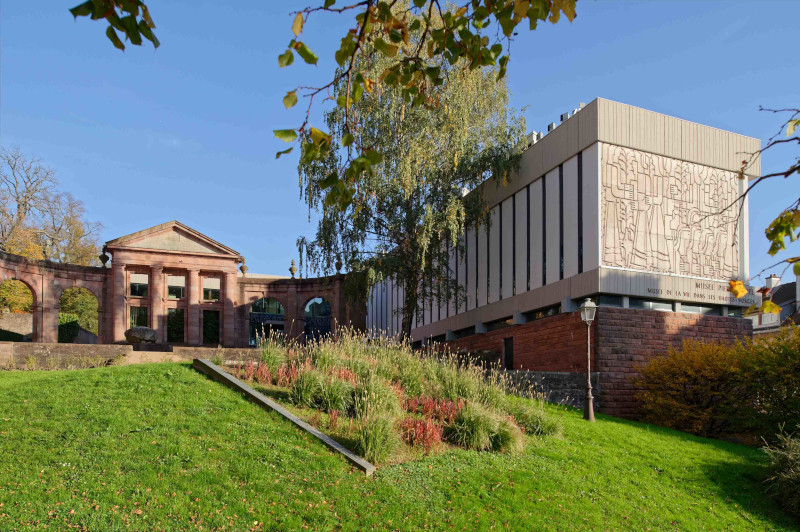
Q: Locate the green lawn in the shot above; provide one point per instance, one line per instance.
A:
(161, 447)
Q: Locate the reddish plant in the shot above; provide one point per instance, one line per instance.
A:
(263, 375)
(424, 432)
(286, 376)
(442, 410)
(343, 374)
(333, 419)
(249, 371)
(237, 371)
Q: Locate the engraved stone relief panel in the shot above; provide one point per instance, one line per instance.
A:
(659, 214)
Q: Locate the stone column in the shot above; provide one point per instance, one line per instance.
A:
(193, 303)
(49, 312)
(228, 298)
(157, 302)
(118, 298)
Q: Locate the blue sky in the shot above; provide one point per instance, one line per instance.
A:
(185, 132)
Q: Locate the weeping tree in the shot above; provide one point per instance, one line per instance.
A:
(409, 210)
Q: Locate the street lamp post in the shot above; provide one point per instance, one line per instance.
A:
(588, 310)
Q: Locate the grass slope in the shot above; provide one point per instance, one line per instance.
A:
(162, 447)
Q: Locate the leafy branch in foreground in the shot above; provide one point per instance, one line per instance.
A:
(787, 224)
(129, 17)
(477, 32)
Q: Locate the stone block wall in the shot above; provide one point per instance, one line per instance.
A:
(628, 338)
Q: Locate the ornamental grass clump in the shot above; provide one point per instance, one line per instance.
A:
(531, 416)
(480, 429)
(375, 395)
(374, 437)
(306, 389)
(335, 394)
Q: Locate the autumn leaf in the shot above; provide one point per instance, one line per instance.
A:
(297, 25)
(737, 289)
(768, 307)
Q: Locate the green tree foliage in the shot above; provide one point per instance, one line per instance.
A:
(82, 304)
(15, 296)
(413, 38)
(131, 18)
(408, 211)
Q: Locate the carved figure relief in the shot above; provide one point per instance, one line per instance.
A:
(659, 214)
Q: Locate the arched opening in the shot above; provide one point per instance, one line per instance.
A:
(318, 318)
(77, 316)
(266, 317)
(17, 323)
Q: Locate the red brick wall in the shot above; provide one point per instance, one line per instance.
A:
(557, 343)
(622, 339)
(626, 338)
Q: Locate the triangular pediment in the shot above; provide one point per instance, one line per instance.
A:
(173, 237)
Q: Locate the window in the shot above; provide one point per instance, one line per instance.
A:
(139, 282)
(211, 289)
(663, 306)
(463, 333)
(580, 212)
(139, 317)
(609, 301)
(700, 309)
(543, 313)
(499, 324)
(176, 286)
(544, 231)
(508, 353)
(211, 327)
(734, 313)
(560, 221)
(175, 326)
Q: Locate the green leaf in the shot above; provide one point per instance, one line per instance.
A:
(284, 152)
(306, 53)
(320, 138)
(114, 38)
(131, 29)
(329, 3)
(286, 135)
(373, 156)
(83, 10)
(329, 181)
(145, 30)
(358, 90)
(297, 25)
(389, 50)
(347, 139)
(286, 58)
(420, 3)
(796, 269)
(290, 99)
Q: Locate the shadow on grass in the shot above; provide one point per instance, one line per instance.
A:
(743, 483)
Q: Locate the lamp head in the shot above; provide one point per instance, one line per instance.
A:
(588, 310)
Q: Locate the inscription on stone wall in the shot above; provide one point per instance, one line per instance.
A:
(659, 214)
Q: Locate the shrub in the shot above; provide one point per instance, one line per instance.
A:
(335, 394)
(306, 389)
(374, 395)
(286, 375)
(699, 388)
(263, 374)
(421, 432)
(772, 370)
(249, 371)
(68, 327)
(532, 417)
(784, 480)
(374, 437)
(442, 410)
(455, 383)
(713, 389)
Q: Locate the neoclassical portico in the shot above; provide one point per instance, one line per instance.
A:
(190, 290)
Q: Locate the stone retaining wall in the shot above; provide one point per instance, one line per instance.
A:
(27, 355)
(564, 387)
